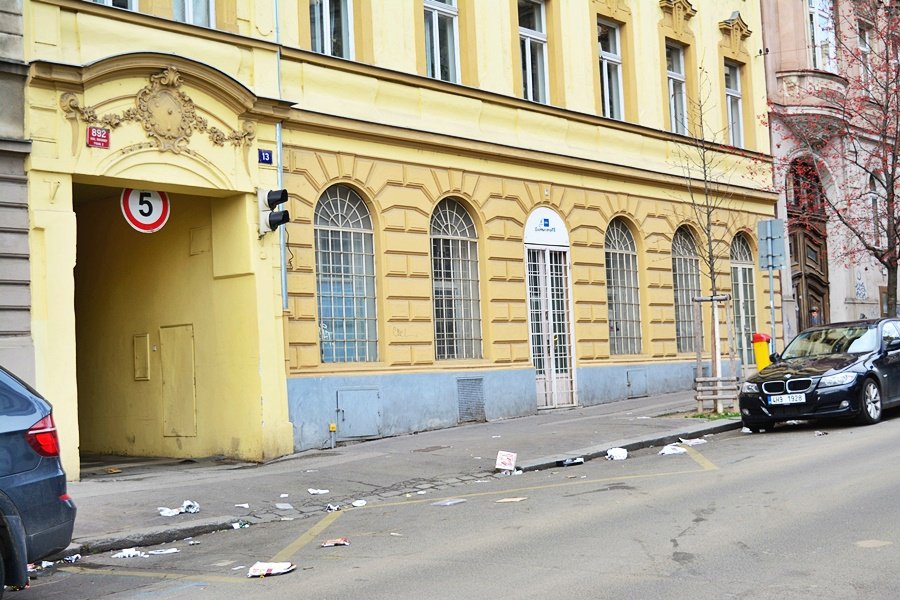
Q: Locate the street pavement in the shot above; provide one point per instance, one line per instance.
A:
(118, 498)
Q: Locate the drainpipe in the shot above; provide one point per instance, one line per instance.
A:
(282, 235)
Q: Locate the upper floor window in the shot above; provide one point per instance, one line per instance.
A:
(454, 272)
(610, 46)
(440, 39)
(195, 12)
(533, 47)
(331, 24)
(733, 104)
(821, 34)
(126, 4)
(677, 88)
(863, 32)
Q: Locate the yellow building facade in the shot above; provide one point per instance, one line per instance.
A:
(493, 211)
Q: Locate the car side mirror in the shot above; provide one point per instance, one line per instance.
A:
(774, 357)
(893, 345)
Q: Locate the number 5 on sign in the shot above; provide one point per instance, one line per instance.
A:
(145, 210)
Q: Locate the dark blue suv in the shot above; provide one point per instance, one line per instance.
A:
(36, 513)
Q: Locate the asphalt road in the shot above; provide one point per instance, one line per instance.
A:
(788, 514)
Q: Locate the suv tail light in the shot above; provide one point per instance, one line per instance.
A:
(42, 437)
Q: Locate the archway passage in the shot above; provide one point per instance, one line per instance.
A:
(151, 345)
(809, 244)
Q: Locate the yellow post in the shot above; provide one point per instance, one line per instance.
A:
(761, 350)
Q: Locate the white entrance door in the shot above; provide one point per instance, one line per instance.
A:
(550, 322)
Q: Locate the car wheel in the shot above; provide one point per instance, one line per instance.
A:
(870, 403)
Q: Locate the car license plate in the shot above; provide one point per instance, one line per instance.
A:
(788, 399)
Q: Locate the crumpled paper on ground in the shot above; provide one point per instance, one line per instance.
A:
(616, 454)
(188, 506)
(672, 449)
(264, 569)
(130, 553)
(692, 442)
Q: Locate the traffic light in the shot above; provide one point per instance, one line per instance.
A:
(269, 218)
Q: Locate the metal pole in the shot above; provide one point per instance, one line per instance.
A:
(772, 305)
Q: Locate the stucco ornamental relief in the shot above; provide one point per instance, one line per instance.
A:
(735, 31)
(680, 12)
(167, 115)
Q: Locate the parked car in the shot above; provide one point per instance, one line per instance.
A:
(36, 514)
(838, 371)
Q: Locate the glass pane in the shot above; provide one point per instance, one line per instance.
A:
(340, 28)
(611, 86)
(530, 15)
(429, 44)
(317, 25)
(526, 82)
(201, 12)
(538, 76)
(608, 37)
(447, 47)
(678, 108)
(178, 11)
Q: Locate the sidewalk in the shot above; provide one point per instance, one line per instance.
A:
(119, 510)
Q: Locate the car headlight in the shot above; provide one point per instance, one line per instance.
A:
(749, 388)
(839, 379)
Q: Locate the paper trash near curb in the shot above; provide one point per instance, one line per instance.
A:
(358, 503)
(516, 499)
(188, 506)
(316, 492)
(449, 502)
(264, 569)
(244, 505)
(672, 449)
(336, 542)
(692, 442)
(130, 553)
(506, 461)
(616, 454)
(164, 551)
(284, 506)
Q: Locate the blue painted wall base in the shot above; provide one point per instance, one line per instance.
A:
(386, 405)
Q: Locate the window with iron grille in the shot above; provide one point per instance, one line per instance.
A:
(345, 277)
(686, 279)
(454, 275)
(331, 27)
(622, 291)
(743, 293)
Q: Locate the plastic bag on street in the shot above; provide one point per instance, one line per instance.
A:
(672, 449)
(616, 454)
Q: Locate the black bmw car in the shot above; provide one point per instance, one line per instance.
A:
(837, 371)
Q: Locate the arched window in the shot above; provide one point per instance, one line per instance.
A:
(743, 292)
(454, 277)
(622, 293)
(345, 277)
(686, 281)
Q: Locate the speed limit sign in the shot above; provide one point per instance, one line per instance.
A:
(145, 210)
